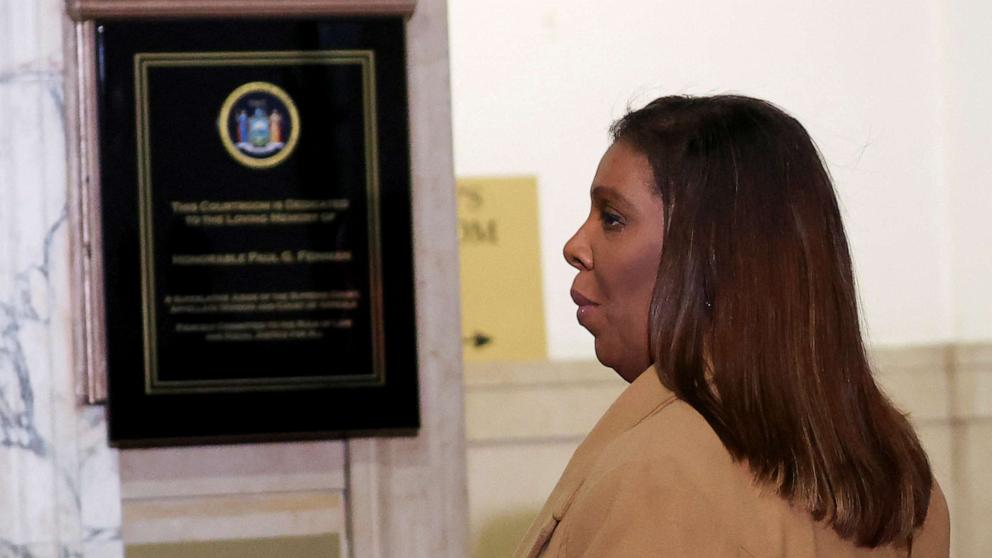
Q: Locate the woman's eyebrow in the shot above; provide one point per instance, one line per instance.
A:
(604, 193)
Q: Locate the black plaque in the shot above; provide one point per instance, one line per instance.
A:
(255, 192)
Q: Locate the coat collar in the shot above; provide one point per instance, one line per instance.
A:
(643, 397)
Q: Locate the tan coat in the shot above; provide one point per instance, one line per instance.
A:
(653, 479)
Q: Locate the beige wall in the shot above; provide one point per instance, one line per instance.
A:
(967, 88)
(535, 86)
(895, 94)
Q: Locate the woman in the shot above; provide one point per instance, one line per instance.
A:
(714, 274)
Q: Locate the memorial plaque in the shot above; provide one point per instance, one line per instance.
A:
(255, 192)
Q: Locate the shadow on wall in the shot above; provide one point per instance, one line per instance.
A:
(499, 536)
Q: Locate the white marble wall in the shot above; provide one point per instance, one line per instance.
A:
(60, 485)
(59, 488)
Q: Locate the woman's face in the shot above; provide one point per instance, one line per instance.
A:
(617, 250)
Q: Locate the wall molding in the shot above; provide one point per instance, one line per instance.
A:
(524, 401)
(114, 9)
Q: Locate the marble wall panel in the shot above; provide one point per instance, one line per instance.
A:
(232, 469)
(60, 490)
(58, 487)
(233, 516)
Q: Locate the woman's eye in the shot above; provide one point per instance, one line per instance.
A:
(610, 220)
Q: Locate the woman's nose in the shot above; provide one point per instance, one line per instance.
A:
(577, 252)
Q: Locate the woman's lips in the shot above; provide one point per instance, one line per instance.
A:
(585, 307)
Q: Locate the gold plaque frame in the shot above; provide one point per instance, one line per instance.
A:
(366, 61)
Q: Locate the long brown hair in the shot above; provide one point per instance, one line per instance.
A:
(754, 319)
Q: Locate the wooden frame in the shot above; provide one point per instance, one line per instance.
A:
(200, 277)
(84, 212)
(81, 10)
(81, 106)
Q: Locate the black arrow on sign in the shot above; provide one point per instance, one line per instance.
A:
(477, 340)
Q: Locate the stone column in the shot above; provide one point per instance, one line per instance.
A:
(59, 488)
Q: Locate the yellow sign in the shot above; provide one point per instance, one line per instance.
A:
(499, 245)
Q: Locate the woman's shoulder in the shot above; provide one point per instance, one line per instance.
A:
(676, 446)
(668, 473)
(674, 451)
(933, 539)
(678, 434)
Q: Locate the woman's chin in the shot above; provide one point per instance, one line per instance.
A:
(610, 361)
(624, 367)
